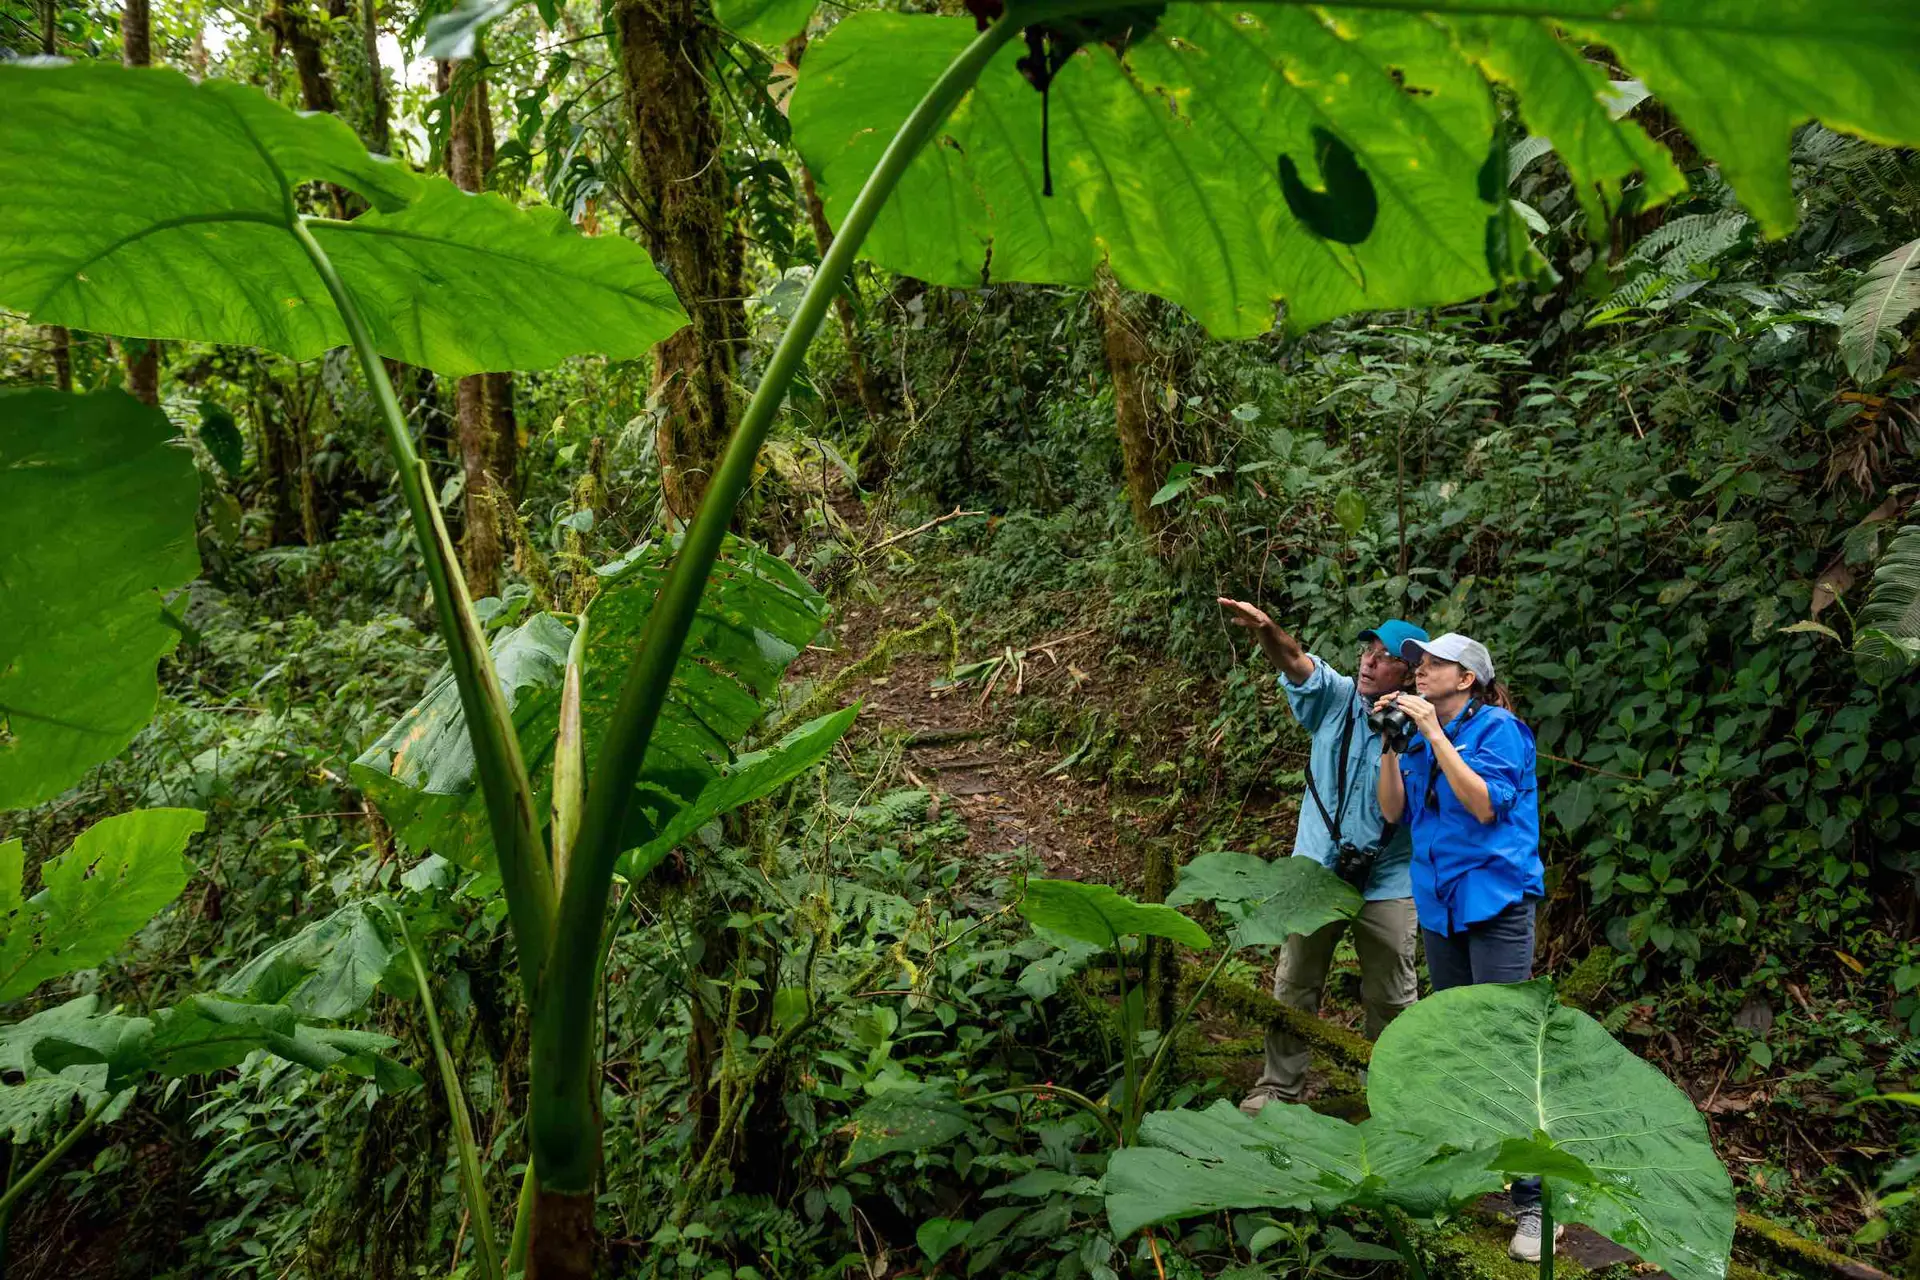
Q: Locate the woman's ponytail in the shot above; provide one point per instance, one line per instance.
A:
(1493, 695)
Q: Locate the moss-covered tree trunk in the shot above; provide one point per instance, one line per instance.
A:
(689, 226)
(484, 421)
(1143, 453)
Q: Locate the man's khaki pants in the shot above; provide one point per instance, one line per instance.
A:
(1383, 937)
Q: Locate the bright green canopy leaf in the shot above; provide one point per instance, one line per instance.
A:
(768, 22)
(1268, 899)
(1286, 1157)
(1488, 1065)
(1339, 158)
(1095, 913)
(98, 892)
(96, 523)
(753, 619)
(189, 234)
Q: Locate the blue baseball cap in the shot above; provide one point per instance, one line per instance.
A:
(1395, 635)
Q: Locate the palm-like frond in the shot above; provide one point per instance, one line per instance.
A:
(1888, 294)
(1887, 632)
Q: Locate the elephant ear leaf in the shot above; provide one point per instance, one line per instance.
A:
(99, 892)
(96, 524)
(454, 282)
(1230, 158)
(1511, 1068)
(768, 22)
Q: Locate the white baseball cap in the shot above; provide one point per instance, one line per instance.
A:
(1452, 647)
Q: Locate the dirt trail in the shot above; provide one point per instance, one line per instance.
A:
(959, 742)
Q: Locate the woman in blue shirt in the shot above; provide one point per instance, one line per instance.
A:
(1466, 790)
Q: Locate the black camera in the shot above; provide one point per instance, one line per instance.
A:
(1354, 864)
(1395, 728)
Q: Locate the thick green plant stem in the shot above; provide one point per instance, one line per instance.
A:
(1546, 1231)
(24, 1183)
(524, 869)
(472, 1181)
(522, 1224)
(565, 1124)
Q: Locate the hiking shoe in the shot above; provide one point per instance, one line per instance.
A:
(1525, 1245)
(1253, 1102)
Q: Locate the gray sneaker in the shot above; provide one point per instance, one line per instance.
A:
(1253, 1102)
(1525, 1245)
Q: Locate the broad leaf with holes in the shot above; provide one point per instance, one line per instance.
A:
(98, 893)
(1510, 1067)
(1337, 158)
(1268, 899)
(97, 514)
(190, 233)
(1097, 914)
(1191, 1163)
(328, 970)
(756, 615)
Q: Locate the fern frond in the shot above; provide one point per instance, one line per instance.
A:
(1888, 294)
(1887, 631)
(1694, 238)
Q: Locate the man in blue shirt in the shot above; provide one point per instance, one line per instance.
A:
(1341, 804)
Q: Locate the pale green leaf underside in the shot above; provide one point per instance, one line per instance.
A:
(328, 970)
(188, 195)
(1170, 164)
(98, 892)
(1479, 1065)
(1268, 899)
(1097, 914)
(754, 618)
(96, 523)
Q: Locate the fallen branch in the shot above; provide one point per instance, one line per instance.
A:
(954, 514)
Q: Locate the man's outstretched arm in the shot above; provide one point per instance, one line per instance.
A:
(1280, 647)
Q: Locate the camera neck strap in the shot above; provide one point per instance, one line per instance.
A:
(1432, 798)
(1334, 819)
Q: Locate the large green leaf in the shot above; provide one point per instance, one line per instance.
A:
(1096, 913)
(745, 780)
(96, 523)
(205, 1033)
(98, 892)
(769, 22)
(1341, 158)
(328, 970)
(1268, 899)
(189, 195)
(1887, 632)
(904, 1120)
(754, 618)
(1286, 1157)
(1488, 1065)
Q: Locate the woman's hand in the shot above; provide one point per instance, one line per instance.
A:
(1418, 710)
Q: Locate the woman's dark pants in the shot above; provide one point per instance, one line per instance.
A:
(1499, 949)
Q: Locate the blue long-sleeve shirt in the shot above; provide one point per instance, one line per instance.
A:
(1464, 870)
(1324, 703)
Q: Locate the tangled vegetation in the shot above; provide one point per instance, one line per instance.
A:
(471, 632)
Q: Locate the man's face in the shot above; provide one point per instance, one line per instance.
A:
(1380, 671)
